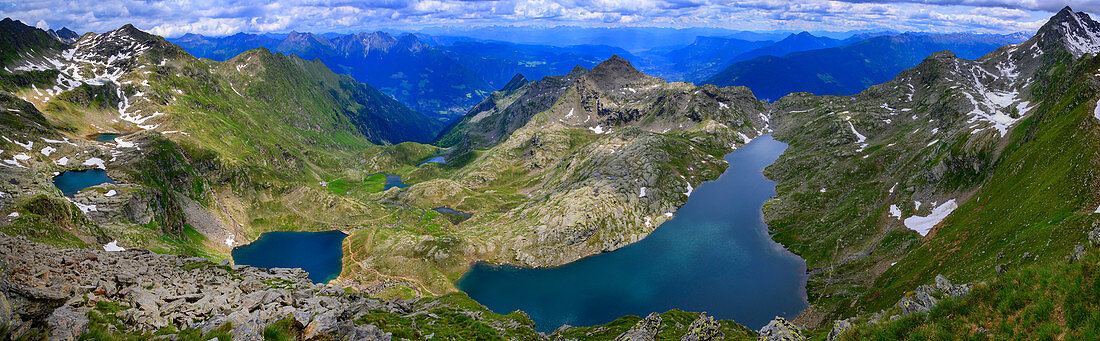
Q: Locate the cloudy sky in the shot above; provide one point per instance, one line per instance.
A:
(223, 17)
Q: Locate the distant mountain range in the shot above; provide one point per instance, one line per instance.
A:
(444, 76)
(708, 55)
(980, 170)
(418, 75)
(849, 69)
(65, 35)
(497, 62)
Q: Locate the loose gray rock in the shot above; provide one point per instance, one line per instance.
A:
(644, 330)
(839, 327)
(925, 295)
(780, 329)
(703, 328)
(66, 324)
(910, 306)
(1077, 255)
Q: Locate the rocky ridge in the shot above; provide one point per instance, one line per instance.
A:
(565, 167)
(902, 156)
(76, 293)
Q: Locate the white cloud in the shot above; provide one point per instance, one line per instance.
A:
(221, 17)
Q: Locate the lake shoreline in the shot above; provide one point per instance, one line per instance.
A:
(747, 226)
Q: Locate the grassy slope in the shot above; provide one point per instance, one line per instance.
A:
(1037, 201)
(1055, 301)
(261, 131)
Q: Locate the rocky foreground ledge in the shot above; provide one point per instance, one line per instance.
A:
(51, 291)
(47, 293)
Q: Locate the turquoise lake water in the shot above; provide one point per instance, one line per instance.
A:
(71, 182)
(714, 255)
(106, 137)
(318, 253)
(437, 159)
(454, 212)
(393, 181)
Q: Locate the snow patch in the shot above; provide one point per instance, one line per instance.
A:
(110, 193)
(113, 247)
(924, 224)
(95, 161)
(123, 144)
(1096, 111)
(689, 188)
(84, 208)
(895, 211)
(642, 194)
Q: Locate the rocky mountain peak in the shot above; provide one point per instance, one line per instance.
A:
(130, 30)
(517, 81)
(410, 42)
(373, 39)
(614, 73)
(65, 35)
(1077, 31)
(945, 54)
(125, 35)
(363, 43)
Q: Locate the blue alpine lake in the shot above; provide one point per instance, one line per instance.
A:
(714, 255)
(454, 212)
(106, 137)
(318, 253)
(72, 182)
(393, 181)
(437, 159)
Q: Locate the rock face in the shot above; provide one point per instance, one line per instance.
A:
(702, 329)
(1077, 254)
(42, 287)
(956, 291)
(1094, 237)
(644, 330)
(67, 324)
(839, 327)
(927, 296)
(780, 329)
(908, 305)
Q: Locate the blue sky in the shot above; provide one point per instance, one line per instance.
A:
(223, 17)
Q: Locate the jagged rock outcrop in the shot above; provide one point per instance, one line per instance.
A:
(779, 329)
(1094, 237)
(644, 330)
(908, 305)
(43, 287)
(67, 324)
(839, 328)
(702, 329)
(927, 296)
(1077, 254)
(956, 291)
